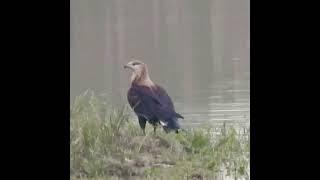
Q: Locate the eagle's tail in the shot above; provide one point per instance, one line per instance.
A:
(179, 116)
(171, 125)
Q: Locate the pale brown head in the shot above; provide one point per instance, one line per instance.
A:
(140, 74)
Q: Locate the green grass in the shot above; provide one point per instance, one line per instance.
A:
(106, 143)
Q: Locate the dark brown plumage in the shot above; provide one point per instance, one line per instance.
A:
(150, 101)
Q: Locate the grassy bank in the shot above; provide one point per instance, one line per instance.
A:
(106, 143)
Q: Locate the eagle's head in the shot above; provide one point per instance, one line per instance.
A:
(140, 74)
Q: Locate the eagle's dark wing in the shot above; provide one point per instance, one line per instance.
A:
(152, 103)
(141, 102)
(165, 99)
(163, 96)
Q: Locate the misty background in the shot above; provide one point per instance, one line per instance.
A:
(198, 51)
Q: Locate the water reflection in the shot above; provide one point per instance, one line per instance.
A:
(198, 51)
(216, 104)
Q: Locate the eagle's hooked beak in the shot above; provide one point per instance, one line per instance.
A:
(127, 66)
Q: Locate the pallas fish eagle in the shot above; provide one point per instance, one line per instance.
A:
(149, 101)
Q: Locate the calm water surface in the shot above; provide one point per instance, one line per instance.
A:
(226, 101)
(197, 50)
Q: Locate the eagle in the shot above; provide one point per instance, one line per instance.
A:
(150, 102)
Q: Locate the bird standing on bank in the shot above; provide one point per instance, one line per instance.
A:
(149, 101)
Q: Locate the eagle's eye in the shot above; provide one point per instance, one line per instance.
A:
(135, 63)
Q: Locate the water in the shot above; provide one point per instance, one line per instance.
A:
(197, 50)
(216, 104)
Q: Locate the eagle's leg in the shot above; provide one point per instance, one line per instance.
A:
(154, 124)
(142, 123)
(165, 129)
(154, 129)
